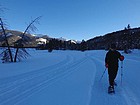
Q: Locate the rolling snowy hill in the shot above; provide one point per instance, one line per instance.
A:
(68, 78)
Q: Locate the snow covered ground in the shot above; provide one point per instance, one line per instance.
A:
(68, 78)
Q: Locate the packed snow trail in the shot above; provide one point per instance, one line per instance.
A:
(19, 86)
(131, 83)
(68, 78)
(14, 90)
(100, 94)
(71, 90)
(124, 94)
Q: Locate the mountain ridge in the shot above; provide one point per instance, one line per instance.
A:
(127, 38)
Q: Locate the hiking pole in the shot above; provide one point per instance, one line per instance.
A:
(121, 71)
(102, 74)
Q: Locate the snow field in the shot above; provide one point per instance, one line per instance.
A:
(68, 78)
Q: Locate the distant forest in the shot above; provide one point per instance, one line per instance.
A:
(128, 38)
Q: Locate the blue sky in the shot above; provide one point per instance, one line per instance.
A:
(72, 19)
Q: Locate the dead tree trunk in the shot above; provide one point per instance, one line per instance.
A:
(29, 27)
(6, 41)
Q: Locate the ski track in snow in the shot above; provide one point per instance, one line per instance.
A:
(17, 83)
(129, 94)
(15, 89)
(128, 90)
(99, 91)
(20, 87)
(130, 97)
(123, 96)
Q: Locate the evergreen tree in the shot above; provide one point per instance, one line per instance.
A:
(50, 46)
(128, 26)
(83, 45)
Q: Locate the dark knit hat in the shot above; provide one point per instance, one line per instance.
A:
(113, 46)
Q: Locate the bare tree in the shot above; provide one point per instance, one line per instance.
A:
(20, 50)
(7, 53)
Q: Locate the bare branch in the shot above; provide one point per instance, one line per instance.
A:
(21, 53)
(31, 27)
(6, 41)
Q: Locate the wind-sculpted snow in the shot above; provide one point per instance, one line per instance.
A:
(68, 78)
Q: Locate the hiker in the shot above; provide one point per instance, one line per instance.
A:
(111, 62)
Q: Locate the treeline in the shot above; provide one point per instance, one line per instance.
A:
(124, 39)
(55, 44)
(127, 38)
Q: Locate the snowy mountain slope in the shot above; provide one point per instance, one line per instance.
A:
(68, 78)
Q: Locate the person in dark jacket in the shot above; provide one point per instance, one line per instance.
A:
(111, 62)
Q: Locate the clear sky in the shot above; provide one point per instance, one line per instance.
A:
(72, 19)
